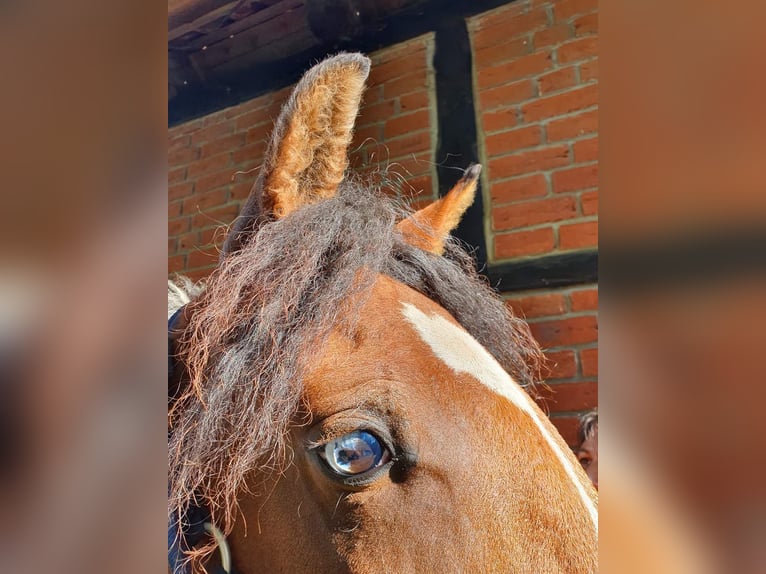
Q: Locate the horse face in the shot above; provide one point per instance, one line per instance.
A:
(420, 453)
(420, 457)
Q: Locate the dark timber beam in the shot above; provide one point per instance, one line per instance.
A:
(201, 99)
(457, 145)
(559, 270)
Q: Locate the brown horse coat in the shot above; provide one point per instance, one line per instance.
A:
(331, 314)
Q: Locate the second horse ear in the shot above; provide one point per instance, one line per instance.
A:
(429, 228)
(308, 153)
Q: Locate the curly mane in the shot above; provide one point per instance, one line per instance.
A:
(265, 313)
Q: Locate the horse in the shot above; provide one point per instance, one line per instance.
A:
(349, 395)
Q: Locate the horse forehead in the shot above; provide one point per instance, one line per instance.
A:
(456, 348)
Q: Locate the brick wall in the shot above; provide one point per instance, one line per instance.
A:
(536, 98)
(535, 66)
(209, 157)
(565, 323)
(535, 94)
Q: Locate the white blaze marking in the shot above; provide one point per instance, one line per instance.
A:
(464, 354)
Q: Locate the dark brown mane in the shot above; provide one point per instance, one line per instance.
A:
(269, 306)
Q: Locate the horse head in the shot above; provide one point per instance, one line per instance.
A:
(354, 392)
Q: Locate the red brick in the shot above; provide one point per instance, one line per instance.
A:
(529, 161)
(575, 179)
(531, 306)
(574, 126)
(513, 140)
(387, 71)
(220, 116)
(500, 27)
(568, 397)
(188, 127)
(534, 212)
(204, 201)
(581, 49)
(372, 94)
(567, 427)
(413, 166)
(406, 124)
(501, 15)
(246, 177)
(522, 243)
(213, 132)
(200, 274)
(565, 332)
(557, 80)
(552, 35)
(589, 362)
(178, 226)
(562, 364)
(172, 246)
(180, 190)
(275, 108)
(519, 188)
(279, 97)
(507, 95)
(560, 104)
(212, 235)
(255, 103)
(357, 157)
(255, 118)
(418, 185)
(578, 235)
(517, 69)
(174, 209)
(417, 46)
(494, 121)
(586, 25)
(565, 9)
(176, 142)
(259, 134)
(200, 258)
(182, 156)
(405, 85)
(212, 163)
(589, 71)
(220, 216)
(377, 113)
(228, 143)
(176, 263)
(252, 152)
(213, 180)
(366, 138)
(584, 299)
(176, 175)
(414, 101)
(501, 52)
(188, 241)
(585, 150)
(407, 145)
(589, 203)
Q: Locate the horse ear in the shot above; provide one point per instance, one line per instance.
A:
(307, 156)
(429, 228)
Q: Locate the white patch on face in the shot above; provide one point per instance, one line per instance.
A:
(464, 354)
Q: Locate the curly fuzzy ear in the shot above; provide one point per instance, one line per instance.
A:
(429, 228)
(307, 156)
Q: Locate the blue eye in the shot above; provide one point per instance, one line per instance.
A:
(355, 453)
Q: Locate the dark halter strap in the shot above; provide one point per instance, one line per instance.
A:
(190, 530)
